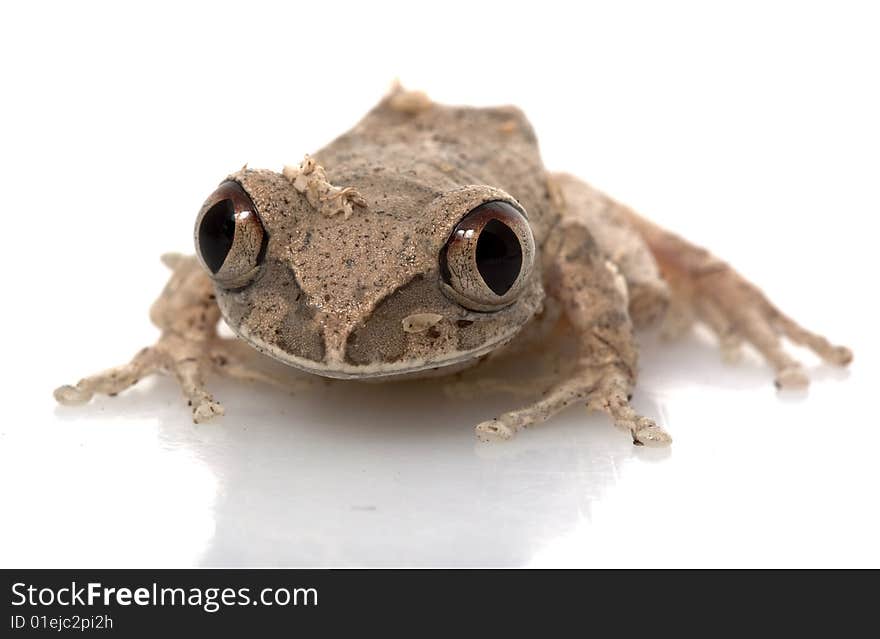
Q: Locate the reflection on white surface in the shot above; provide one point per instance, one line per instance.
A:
(110, 493)
(367, 475)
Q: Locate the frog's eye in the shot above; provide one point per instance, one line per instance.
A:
(230, 238)
(488, 257)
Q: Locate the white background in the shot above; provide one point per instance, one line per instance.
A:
(751, 128)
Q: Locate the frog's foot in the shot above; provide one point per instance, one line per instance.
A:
(189, 363)
(604, 388)
(737, 312)
(187, 315)
(188, 368)
(110, 382)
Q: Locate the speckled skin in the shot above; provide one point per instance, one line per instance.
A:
(334, 293)
(350, 283)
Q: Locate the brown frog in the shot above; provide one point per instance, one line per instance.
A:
(429, 239)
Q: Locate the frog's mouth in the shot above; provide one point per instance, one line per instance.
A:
(338, 368)
(460, 339)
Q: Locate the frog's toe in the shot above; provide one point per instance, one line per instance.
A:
(840, 355)
(493, 430)
(739, 313)
(206, 410)
(792, 378)
(646, 432)
(71, 395)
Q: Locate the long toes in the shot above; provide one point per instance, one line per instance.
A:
(647, 433)
(840, 355)
(493, 431)
(71, 395)
(206, 410)
(792, 378)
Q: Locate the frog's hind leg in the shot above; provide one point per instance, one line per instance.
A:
(618, 241)
(734, 308)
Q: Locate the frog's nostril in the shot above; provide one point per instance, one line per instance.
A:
(216, 233)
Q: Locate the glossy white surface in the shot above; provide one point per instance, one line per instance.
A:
(754, 133)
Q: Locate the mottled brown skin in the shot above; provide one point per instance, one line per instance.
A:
(334, 287)
(349, 285)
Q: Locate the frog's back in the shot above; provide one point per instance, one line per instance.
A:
(423, 149)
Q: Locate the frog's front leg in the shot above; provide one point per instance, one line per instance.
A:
(594, 300)
(188, 349)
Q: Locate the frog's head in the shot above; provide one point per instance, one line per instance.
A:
(412, 280)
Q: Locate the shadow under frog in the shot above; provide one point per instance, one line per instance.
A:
(379, 475)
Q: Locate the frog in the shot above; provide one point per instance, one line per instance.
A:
(425, 242)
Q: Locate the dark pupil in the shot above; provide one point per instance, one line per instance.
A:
(216, 234)
(499, 256)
